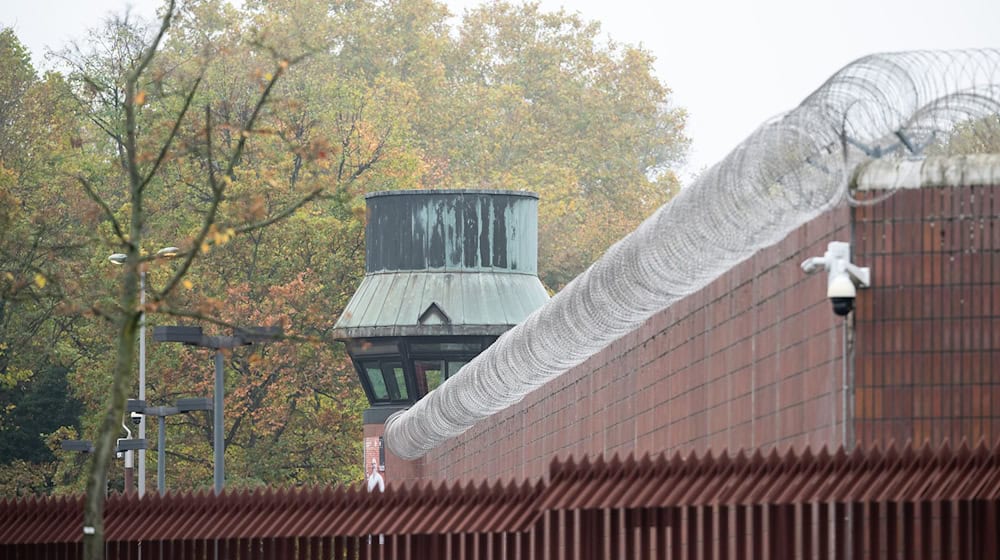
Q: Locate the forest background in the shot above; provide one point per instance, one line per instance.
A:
(372, 96)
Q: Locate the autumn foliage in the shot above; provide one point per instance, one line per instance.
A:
(249, 141)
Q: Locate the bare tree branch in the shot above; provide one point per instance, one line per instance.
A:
(173, 132)
(284, 213)
(93, 515)
(206, 225)
(131, 129)
(104, 208)
(254, 115)
(218, 187)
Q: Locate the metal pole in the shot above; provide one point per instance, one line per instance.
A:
(217, 412)
(129, 470)
(843, 392)
(161, 456)
(142, 380)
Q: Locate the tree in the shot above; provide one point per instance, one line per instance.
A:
(38, 243)
(517, 98)
(178, 146)
(285, 423)
(974, 136)
(539, 102)
(213, 131)
(39, 408)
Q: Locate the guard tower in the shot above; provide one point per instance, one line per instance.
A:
(446, 273)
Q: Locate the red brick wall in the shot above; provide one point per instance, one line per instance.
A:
(928, 341)
(399, 470)
(752, 360)
(755, 359)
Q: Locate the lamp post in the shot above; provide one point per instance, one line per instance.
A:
(77, 445)
(125, 446)
(120, 258)
(183, 406)
(192, 336)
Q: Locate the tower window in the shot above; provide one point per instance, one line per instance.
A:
(387, 380)
(402, 370)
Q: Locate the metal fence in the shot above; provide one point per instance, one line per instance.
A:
(926, 503)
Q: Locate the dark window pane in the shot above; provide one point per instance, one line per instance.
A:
(430, 373)
(379, 390)
(397, 370)
(395, 381)
(453, 367)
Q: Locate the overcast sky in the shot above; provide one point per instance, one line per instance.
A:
(731, 64)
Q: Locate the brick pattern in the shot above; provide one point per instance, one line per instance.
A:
(752, 360)
(928, 341)
(755, 360)
(395, 469)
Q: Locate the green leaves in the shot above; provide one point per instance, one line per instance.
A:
(542, 102)
(249, 142)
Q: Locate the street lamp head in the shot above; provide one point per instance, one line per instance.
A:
(193, 404)
(178, 333)
(164, 253)
(168, 252)
(130, 444)
(78, 445)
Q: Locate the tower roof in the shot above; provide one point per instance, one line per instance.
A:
(446, 262)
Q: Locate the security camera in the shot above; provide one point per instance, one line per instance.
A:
(813, 264)
(844, 278)
(135, 417)
(841, 292)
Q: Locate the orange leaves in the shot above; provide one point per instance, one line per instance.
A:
(360, 213)
(149, 306)
(370, 137)
(208, 306)
(255, 208)
(218, 236)
(319, 151)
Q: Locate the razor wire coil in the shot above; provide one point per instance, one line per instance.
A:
(787, 172)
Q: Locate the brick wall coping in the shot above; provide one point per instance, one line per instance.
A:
(933, 171)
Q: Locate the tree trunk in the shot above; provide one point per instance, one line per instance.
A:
(104, 446)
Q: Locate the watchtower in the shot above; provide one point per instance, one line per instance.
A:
(446, 273)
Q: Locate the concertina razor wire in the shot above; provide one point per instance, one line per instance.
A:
(789, 171)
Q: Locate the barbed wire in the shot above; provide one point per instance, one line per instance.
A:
(790, 170)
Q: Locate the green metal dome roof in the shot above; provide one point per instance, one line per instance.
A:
(446, 262)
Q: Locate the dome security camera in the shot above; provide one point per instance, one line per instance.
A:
(841, 292)
(844, 278)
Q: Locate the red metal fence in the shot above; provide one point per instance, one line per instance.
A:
(868, 504)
